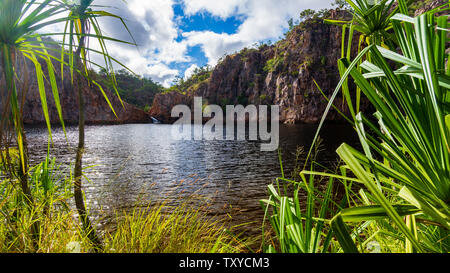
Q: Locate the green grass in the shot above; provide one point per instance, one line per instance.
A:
(157, 228)
(299, 224)
(185, 230)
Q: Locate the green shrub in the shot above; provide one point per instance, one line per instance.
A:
(159, 228)
(274, 64)
(397, 186)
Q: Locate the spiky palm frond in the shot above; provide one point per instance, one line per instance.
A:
(405, 162)
(20, 21)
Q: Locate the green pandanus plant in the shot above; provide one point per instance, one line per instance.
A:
(20, 22)
(404, 165)
(403, 169)
(371, 21)
(81, 22)
(372, 25)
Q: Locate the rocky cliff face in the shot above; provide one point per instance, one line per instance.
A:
(282, 74)
(97, 109)
(427, 5)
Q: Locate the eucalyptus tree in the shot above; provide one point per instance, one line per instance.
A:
(81, 25)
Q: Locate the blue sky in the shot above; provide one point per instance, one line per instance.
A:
(201, 22)
(205, 21)
(176, 36)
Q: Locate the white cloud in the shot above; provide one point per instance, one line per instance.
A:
(214, 45)
(152, 24)
(222, 9)
(190, 71)
(264, 19)
(155, 27)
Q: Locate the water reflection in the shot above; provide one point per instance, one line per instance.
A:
(133, 162)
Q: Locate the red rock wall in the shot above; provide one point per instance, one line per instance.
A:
(97, 109)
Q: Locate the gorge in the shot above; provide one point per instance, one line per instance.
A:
(248, 155)
(281, 74)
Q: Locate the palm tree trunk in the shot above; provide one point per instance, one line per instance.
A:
(78, 193)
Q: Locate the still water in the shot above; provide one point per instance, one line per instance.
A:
(140, 163)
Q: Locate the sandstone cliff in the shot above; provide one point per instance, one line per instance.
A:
(426, 5)
(97, 109)
(282, 74)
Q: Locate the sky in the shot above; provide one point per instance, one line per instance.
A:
(176, 36)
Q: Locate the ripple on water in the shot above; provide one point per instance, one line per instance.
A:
(142, 161)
